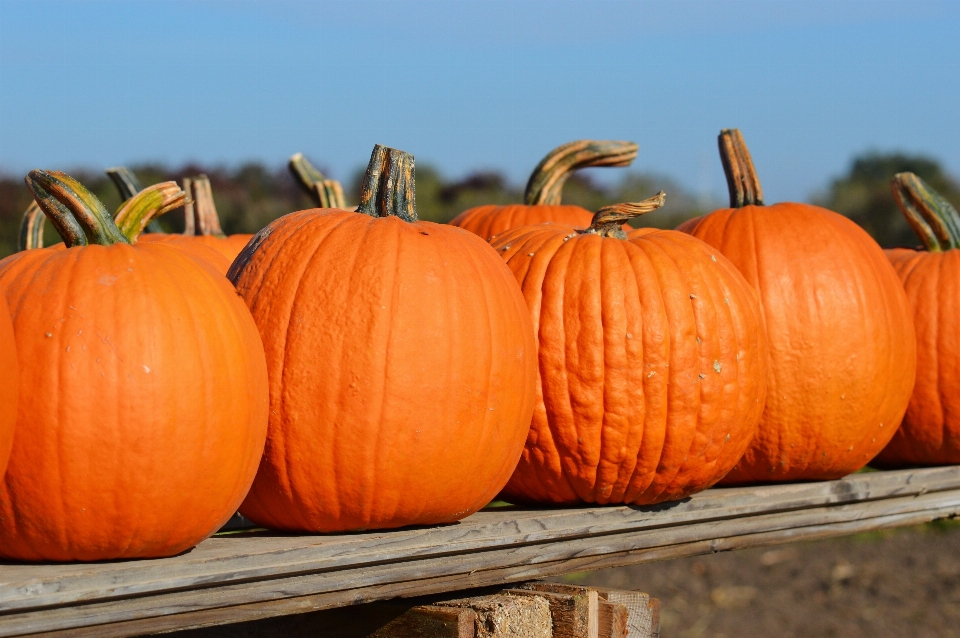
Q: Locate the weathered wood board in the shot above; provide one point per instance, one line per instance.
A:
(247, 576)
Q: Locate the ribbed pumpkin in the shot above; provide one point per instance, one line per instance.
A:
(9, 384)
(545, 188)
(651, 362)
(143, 410)
(401, 362)
(842, 345)
(31, 226)
(930, 432)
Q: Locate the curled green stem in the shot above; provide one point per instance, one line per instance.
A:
(742, 181)
(388, 185)
(546, 182)
(609, 220)
(932, 217)
(79, 217)
(128, 186)
(138, 211)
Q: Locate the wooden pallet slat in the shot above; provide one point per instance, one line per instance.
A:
(248, 576)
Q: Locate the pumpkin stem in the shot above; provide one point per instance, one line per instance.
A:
(327, 193)
(31, 228)
(138, 211)
(128, 185)
(546, 182)
(200, 214)
(742, 181)
(79, 217)
(388, 185)
(609, 220)
(932, 217)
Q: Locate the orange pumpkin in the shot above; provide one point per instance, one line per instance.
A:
(545, 187)
(401, 363)
(9, 386)
(142, 414)
(930, 432)
(842, 345)
(651, 362)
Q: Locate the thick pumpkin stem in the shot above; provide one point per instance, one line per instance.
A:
(388, 185)
(327, 193)
(609, 220)
(932, 217)
(742, 181)
(31, 228)
(138, 211)
(546, 182)
(128, 185)
(79, 217)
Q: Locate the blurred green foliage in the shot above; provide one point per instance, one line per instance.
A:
(252, 195)
(864, 195)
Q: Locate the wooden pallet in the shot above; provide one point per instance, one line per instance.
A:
(240, 577)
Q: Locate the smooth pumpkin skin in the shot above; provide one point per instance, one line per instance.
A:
(402, 371)
(9, 384)
(143, 407)
(930, 432)
(208, 250)
(229, 246)
(842, 344)
(491, 220)
(652, 362)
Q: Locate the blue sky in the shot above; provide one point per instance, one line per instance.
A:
(467, 85)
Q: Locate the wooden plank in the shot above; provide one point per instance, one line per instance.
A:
(248, 576)
(250, 557)
(237, 558)
(444, 575)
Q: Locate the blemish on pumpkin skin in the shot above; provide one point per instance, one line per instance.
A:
(716, 366)
(49, 334)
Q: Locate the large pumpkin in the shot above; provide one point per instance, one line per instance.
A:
(142, 205)
(842, 346)
(9, 384)
(401, 362)
(545, 187)
(651, 362)
(930, 432)
(143, 398)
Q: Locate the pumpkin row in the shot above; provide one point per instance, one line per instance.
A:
(363, 369)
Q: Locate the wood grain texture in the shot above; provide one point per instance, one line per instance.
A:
(430, 622)
(247, 576)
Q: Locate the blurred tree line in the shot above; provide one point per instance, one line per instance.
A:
(250, 196)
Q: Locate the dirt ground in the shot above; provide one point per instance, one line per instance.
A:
(900, 583)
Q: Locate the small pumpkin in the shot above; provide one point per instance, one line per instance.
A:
(930, 432)
(651, 375)
(326, 193)
(401, 363)
(545, 188)
(31, 226)
(842, 344)
(9, 385)
(142, 412)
